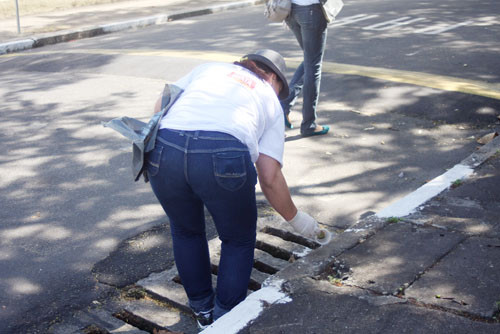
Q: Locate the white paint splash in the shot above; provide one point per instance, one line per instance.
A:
(302, 253)
(249, 309)
(355, 230)
(410, 202)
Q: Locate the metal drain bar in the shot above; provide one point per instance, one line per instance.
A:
(161, 303)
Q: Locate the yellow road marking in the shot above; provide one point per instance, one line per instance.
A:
(441, 82)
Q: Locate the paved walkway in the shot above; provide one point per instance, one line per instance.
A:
(81, 22)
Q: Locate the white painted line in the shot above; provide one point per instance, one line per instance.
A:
(393, 23)
(440, 28)
(351, 19)
(249, 309)
(412, 201)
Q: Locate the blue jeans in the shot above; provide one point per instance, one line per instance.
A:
(192, 169)
(309, 26)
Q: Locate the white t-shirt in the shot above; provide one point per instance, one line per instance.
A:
(305, 2)
(230, 99)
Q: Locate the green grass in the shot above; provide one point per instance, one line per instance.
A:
(457, 183)
(393, 220)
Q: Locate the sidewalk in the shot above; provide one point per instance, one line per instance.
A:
(82, 22)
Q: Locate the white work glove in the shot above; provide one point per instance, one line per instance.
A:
(305, 225)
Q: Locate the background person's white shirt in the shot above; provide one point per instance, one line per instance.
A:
(228, 98)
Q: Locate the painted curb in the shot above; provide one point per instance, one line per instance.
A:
(16, 46)
(249, 309)
(70, 35)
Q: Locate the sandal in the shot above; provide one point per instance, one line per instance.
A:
(324, 130)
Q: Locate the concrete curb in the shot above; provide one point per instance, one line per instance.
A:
(92, 31)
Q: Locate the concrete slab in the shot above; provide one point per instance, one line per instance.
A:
(161, 315)
(470, 226)
(264, 258)
(450, 204)
(396, 255)
(466, 280)
(461, 207)
(163, 285)
(319, 307)
(100, 318)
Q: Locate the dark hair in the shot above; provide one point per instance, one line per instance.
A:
(259, 69)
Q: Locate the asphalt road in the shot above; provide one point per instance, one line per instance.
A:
(407, 87)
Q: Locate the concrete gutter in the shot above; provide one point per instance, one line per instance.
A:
(92, 31)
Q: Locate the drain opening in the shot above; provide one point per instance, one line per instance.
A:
(288, 236)
(274, 251)
(253, 285)
(177, 280)
(264, 267)
(139, 322)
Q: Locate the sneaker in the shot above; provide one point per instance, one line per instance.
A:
(204, 319)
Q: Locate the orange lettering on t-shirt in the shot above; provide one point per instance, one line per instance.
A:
(246, 81)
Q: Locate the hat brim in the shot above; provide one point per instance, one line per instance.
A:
(261, 59)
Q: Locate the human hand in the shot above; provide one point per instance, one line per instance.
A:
(305, 225)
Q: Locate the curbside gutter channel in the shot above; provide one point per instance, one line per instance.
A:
(92, 31)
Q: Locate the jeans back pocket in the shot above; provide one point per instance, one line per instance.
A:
(153, 159)
(230, 170)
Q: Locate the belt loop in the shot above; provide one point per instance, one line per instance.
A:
(181, 133)
(196, 134)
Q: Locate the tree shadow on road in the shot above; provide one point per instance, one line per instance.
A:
(67, 189)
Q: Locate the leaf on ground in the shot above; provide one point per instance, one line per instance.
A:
(487, 138)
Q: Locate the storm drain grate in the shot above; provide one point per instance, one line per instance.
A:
(276, 247)
(158, 303)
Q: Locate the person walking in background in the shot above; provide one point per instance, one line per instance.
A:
(308, 21)
(227, 119)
